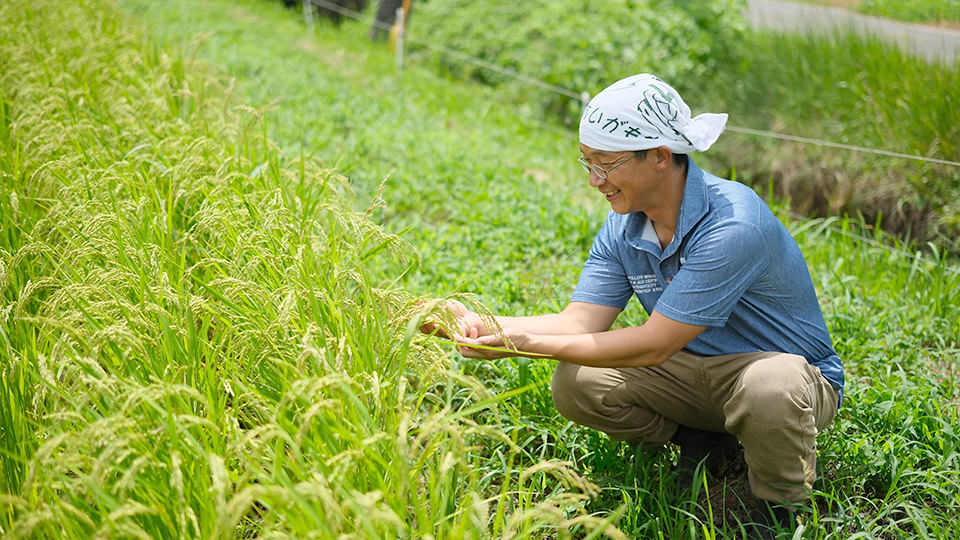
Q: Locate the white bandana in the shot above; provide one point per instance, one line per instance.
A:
(642, 112)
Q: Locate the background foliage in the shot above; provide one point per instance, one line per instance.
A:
(840, 88)
(582, 46)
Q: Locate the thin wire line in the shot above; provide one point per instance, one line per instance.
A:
(460, 54)
(503, 71)
(349, 13)
(583, 96)
(760, 133)
(821, 142)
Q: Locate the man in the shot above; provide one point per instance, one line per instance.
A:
(735, 344)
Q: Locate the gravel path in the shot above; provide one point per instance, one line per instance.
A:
(931, 42)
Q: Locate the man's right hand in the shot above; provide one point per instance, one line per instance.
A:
(469, 323)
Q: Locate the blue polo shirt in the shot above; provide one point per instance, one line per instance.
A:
(731, 266)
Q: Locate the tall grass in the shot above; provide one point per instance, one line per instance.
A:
(195, 339)
(851, 89)
(451, 155)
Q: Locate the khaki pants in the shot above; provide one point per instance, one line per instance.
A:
(775, 403)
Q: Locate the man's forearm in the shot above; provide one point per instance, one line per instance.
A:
(576, 318)
(626, 347)
(551, 324)
(647, 345)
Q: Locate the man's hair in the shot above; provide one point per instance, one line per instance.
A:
(680, 159)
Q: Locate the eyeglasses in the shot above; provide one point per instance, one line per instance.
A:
(598, 170)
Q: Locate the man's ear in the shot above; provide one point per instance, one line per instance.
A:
(664, 157)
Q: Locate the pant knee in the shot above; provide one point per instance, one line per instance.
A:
(774, 412)
(775, 388)
(598, 398)
(570, 397)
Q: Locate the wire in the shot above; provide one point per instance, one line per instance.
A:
(349, 13)
(821, 142)
(459, 54)
(583, 96)
(504, 71)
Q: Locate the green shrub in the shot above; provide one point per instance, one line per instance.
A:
(579, 45)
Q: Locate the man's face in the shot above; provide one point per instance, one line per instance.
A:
(630, 181)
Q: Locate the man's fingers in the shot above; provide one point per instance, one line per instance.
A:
(457, 307)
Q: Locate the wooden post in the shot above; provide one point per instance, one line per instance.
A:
(308, 16)
(399, 26)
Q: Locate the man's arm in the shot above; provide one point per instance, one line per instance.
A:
(576, 318)
(647, 345)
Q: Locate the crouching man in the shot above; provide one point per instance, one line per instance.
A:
(735, 346)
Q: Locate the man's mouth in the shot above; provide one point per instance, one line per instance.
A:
(611, 194)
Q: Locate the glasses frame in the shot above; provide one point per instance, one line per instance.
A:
(600, 171)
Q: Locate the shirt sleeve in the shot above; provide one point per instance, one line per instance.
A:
(603, 279)
(719, 268)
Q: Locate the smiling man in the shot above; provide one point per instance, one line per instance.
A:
(735, 346)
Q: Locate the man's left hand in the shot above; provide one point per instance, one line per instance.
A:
(513, 339)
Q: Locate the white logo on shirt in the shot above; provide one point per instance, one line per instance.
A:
(645, 283)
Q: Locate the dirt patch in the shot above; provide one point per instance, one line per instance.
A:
(728, 503)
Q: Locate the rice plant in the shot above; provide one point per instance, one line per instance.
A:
(195, 341)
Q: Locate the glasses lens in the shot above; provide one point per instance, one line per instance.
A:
(588, 168)
(583, 163)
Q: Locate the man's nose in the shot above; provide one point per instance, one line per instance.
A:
(596, 180)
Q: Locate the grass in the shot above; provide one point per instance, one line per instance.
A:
(921, 11)
(198, 340)
(853, 90)
(206, 334)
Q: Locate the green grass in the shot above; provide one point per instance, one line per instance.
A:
(199, 337)
(916, 11)
(206, 334)
(854, 90)
(920, 11)
(840, 87)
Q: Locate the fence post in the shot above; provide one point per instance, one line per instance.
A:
(401, 30)
(308, 16)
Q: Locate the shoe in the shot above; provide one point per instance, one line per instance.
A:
(720, 453)
(768, 521)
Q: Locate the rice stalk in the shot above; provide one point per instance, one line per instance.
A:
(205, 335)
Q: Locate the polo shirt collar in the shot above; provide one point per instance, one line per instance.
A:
(693, 207)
